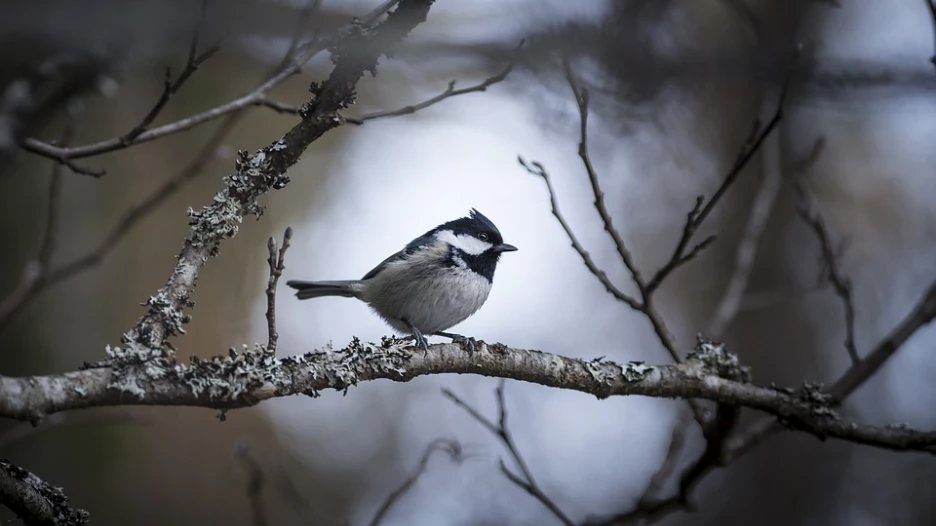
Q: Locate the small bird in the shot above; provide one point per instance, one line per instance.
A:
(437, 281)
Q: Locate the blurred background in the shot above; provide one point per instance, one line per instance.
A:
(676, 87)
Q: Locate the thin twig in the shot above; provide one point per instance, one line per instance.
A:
(255, 482)
(537, 169)
(36, 272)
(670, 461)
(310, 7)
(923, 313)
(581, 100)
(450, 447)
(134, 216)
(525, 480)
(716, 433)
(809, 212)
(703, 209)
(277, 262)
(171, 87)
(449, 92)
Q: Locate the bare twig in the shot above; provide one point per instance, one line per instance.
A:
(31, 287)
(255, 482)
(35, 274)
(277, 262)
(254, 97)
(922, 314)
(171, 87)
(716, 433)
(703, 209)
(731, 301)
(809, 212)
(537, 169)
(581, 100)
(449, 92)
(450, 447)
(525, 480)
(289, 58)
(670, 461)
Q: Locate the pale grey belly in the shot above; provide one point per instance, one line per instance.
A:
(431, 301)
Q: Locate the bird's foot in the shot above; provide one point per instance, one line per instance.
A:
(420, 341)
(470, 343)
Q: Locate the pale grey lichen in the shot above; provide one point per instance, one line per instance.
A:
(717, 360)
(635, 371)
(818, 402)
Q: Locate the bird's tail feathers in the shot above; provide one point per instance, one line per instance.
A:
(317, 289)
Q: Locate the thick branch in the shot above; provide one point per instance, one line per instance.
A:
(35, 501)
(242, 380)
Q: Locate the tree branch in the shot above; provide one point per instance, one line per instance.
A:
(247, 378)
(525, 480)
(450, 447)
(809, 212)
(34, 501)
(171, 87)
(262, 171)
(277, 262)
(702, 210)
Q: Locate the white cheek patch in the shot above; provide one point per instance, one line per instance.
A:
(468, 244)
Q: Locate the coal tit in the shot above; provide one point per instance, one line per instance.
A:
(437, 281)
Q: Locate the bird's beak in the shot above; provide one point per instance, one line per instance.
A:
(504, 247)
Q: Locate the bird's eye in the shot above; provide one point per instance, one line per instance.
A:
(483, 236)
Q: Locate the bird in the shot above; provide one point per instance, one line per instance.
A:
(435, 282)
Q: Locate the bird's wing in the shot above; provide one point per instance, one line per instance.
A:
(408, 250)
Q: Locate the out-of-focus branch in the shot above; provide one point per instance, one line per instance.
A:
(524, 480)
(809, 211)
(669, 464)
(450, 447)
(922, 314)
(730, 303)
(295, 498)
(135, 215)
(36, 272)
(26, 430)
(931, 4)
(255, 482)
(277, 262)
(35, 501)
(716, 433)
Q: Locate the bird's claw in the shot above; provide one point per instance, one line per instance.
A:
(469, 342)
(420, 341)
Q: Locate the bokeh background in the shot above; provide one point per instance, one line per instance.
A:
(676, 87)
